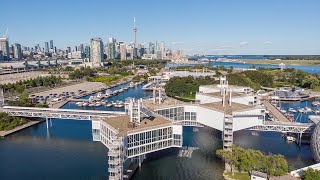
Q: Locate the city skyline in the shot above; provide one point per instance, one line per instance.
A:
(287, 27)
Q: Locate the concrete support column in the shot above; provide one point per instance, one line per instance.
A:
(154, 96)
(140, 161)
(300, 137)
(47, 122)
(159, 96)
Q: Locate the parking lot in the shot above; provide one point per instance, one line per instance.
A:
(63, 93)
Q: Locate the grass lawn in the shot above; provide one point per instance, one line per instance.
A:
(239, 176)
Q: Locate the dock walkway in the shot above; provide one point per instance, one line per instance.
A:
(273, 110)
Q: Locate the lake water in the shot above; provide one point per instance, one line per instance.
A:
(66, 151)
(309, 69)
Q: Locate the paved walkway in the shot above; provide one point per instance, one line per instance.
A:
(273, 110)
(31, 123)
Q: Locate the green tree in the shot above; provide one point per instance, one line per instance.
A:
(310, 82)
(311, 174)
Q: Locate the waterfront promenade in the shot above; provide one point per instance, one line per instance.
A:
(16, 129)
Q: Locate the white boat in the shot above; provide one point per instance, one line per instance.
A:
(108, 92)
(79, 104)
(103, 102)
(113, 103)
(91, 105)
(109, 105)
(282, 110)
(97, 104)
(131, 85)
(99, 95)
(85, 104)
(301, 110)
(316, 111)
(315, 103)
(290, 138)
(292, 110)
(121, 90)
(307, 109)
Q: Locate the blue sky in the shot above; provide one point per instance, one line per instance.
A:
(196, 26)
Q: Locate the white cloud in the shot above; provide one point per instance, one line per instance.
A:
(244, 43)
(267, 42)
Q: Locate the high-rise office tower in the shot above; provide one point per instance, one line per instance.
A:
(96, 51)
(69, 49)
(4, 47)
(46, 47)
(87, 52)
(162, 46)
(111, 48)
(123, 51)
(17, 53)
(38, 48)
(151, 48)
(51, 44)
(81, 48)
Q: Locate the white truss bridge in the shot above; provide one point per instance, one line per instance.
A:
(59, 113)
(285, 127)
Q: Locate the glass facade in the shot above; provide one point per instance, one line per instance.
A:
(152, 140)
(178, 114)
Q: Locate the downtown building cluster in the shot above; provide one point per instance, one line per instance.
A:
(95, 53)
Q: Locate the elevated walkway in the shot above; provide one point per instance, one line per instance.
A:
(283, 127)
(59, 113)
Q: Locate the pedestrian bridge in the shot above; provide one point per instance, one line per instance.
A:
(59, 113)
(285, 127)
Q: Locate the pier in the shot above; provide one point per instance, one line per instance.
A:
(273, 110)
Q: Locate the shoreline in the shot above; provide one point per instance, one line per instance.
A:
(19, 128)
(286, 62)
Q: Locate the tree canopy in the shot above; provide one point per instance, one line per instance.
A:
(248, 159)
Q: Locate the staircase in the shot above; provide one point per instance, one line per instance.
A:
(227, 132)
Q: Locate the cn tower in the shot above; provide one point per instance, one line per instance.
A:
(134, 33)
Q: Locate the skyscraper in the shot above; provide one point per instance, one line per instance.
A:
(96, 51)
(51, 44)
(151, 48)
(46, 47)
(81, 48)
(17, 53)
(87, 52)
(111, 48)
(123, 51)
(69, 49)
(4, 47)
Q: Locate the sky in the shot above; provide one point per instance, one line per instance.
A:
(215, 27)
